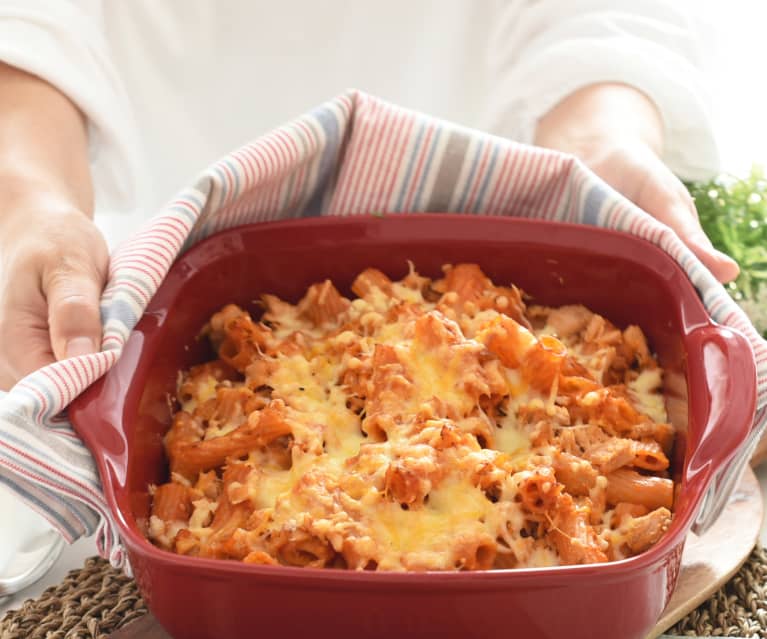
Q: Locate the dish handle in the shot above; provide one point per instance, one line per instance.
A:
(722, 398)
(94, 421)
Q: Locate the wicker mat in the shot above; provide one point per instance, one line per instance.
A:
(96, 600)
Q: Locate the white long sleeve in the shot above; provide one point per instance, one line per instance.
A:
(201, 77)
(61, 42)
(543, 50)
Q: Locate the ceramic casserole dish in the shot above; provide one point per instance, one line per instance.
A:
(709, 388)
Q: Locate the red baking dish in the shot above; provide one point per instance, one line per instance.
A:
(710, 379)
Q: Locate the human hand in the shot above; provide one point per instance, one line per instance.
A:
(53, 260)
(616, 131)
(53, 266)
(633, 169)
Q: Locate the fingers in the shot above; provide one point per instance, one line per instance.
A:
(669, 202)
(73, 314)
(53, 266)
(28, 348)
(71, 281)
(24, 342)
(39, 325)
(637, 172)
(73, 290)
(723, 267)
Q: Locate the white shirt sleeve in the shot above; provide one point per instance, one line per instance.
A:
(61, 42)
(543, 50)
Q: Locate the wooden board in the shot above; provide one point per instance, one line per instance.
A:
(708, 562)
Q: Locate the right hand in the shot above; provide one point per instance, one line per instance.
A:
(53, 266)
(617, 131)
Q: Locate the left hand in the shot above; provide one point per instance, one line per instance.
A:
(618, 133)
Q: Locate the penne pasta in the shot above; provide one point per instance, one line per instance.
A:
(370, 280)
(649, 455)
(172, 502)
(538, 490)
(467, 282)
(577, 475)
(322, 304)
(574, 537)
(625, 485)
(611, 454)
(425, 425)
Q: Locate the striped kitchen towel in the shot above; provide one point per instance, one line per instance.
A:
(356, 154)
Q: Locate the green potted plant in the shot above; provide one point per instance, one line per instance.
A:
(733, 212)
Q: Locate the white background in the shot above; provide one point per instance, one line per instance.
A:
(739, 81)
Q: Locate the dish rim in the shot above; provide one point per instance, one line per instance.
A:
(694, 317)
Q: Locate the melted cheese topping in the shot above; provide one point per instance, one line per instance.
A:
(205, 390)
(509, 437)
(645, 391)
(406, 438)
(455, 509)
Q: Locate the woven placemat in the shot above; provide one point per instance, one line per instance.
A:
(90, 603)
(737, 609)
(97, 599)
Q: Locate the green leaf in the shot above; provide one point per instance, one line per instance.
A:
(733, 212)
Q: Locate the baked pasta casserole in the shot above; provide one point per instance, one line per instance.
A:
(424, 425)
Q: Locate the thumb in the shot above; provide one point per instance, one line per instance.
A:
(724, 268)
(688, 227)
(683, 219)
(73, 313)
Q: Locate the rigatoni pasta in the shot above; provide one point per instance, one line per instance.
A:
(425, 425)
